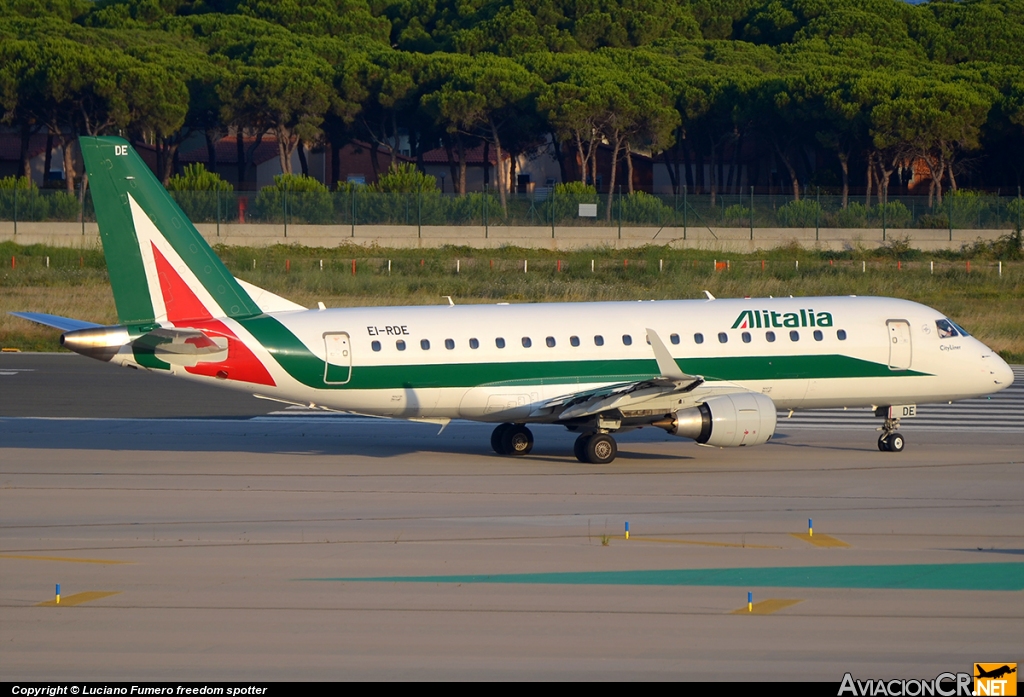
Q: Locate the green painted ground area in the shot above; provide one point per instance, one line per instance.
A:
(987, 577)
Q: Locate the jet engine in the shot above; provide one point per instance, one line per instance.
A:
(725, 421)
(101, 343)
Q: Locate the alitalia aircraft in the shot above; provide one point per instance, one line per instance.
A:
(715, 371)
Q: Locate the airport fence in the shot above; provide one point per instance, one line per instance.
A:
(547, 208)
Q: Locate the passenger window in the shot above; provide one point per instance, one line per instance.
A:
(574, 341)
(526, 342)
(400, 344)
(375, 345)
(627, 340)
(424, 344)
(449, 344)
(499, 342)
(818, 336)
(550, 341)
(746, 337)
(674, 338)
(598, 340)
(698, 338)
(794, 335)
(841, 334)
(769, 337)
(723, 337)
(474, 344)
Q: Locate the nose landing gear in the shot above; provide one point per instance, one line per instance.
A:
(891, 440)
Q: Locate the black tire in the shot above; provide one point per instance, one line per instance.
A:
(496, 438)
(601, 449)
(896, 442)
(517, 440)
(579, 448)
(883, 443)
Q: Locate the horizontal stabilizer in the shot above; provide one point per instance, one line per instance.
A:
(267, 301)
(65, 324)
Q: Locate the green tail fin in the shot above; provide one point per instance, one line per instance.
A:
(160, 267)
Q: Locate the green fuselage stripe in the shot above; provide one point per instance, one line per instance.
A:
(302, 365)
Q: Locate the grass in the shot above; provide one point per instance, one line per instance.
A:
(76, 284)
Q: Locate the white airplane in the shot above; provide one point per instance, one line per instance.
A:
(714, 371)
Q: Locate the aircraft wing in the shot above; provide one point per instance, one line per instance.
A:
(65, 324)
(626, 394)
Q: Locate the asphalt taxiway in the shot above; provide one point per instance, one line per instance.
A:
(277, 547)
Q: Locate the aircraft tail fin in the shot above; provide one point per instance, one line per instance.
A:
(161, 268)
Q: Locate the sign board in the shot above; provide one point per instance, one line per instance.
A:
(588, 210)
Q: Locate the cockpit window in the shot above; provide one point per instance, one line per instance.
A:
(948, 329)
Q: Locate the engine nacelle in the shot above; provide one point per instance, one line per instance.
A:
(101, 343)
(726, 421)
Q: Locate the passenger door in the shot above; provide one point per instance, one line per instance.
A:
(338, 369)
(900, 351)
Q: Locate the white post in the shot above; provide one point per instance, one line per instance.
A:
(526, 265)
(591, 266)
(864, 267)
(931, 266)
(1000, 267)
(661, 265)
(321, 264)
(458, 265)
(797, 264)
(389, 267)
(253, 264)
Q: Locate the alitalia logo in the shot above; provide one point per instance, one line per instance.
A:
(766, 319)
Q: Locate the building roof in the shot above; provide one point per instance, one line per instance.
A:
(10, 146)
(227, 151)
(474, 156)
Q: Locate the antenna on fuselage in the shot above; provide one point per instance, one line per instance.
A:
(710, 296)
(451, 303)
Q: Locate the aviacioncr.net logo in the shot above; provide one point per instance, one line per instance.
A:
(943, 685)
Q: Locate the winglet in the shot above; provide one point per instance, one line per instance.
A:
(666, 364)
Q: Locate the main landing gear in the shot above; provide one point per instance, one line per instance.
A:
(516, 440)
(595, 448)
(512, 439)
(891, 440)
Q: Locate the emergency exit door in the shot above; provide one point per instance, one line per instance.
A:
(900, 350)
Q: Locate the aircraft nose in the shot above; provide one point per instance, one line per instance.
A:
(1002, 374)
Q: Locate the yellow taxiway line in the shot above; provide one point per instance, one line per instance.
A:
(819, 540)
(77, 598)
(766, 607)
(71, 559)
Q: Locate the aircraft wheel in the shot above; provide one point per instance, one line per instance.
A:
(496, 438)
(883, 443)
(579, 448)
(896, 442)
(517, 440)
(601, 449)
